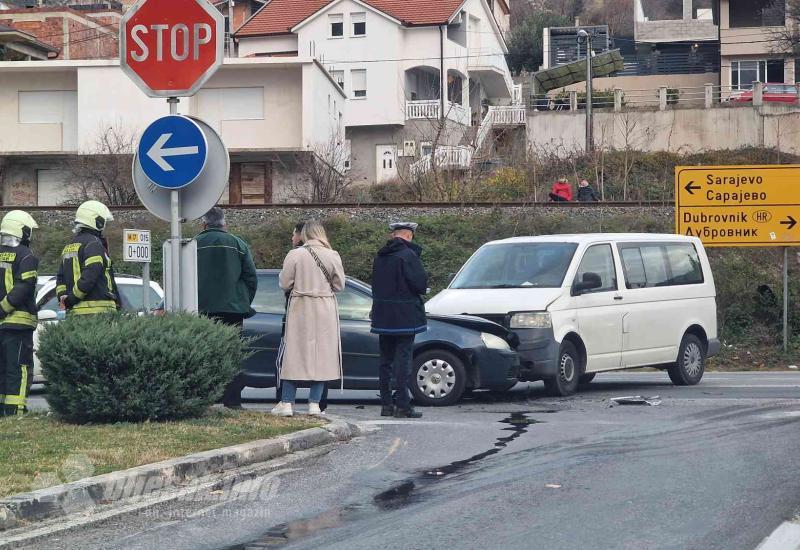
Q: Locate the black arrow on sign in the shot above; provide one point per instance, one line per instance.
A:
(691, 187)
(791, 222)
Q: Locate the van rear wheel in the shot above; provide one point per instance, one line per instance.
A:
(691, 363)
(568, 373)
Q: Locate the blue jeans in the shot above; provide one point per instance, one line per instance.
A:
(289, 391)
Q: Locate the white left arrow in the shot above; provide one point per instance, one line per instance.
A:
(157, 152)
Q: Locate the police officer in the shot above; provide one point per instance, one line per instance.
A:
(85, 282)
(18, 268)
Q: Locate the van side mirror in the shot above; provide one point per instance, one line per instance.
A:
(591, 281)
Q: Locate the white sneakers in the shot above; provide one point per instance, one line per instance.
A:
(282, 409)
(285, 409)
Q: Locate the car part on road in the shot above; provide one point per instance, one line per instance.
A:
(565, 382)
(439, 378)
(691, 363)
(586, 379)
(636, 400)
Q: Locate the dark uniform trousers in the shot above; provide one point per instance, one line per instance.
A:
(16, 370)
(233, 391)
(396, 354)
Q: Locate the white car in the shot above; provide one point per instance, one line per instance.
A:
(583, 304)
(131, 294)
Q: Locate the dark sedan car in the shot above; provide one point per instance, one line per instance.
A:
(457, 353)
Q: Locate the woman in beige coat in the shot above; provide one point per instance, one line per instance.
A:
(311, 350)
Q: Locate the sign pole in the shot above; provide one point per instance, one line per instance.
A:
(175, 230)
(146, 288)
(786, 299)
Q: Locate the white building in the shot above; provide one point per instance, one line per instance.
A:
(404, 66)
(270, 113)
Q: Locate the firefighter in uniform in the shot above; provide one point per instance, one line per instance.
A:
(85, 283)
(18, 268)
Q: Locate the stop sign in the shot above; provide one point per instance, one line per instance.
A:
(171, 47)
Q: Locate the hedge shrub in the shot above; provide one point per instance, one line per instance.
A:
(114, 368)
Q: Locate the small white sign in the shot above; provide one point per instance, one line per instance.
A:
(136, 246)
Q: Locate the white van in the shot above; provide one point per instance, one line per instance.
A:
(583, 304)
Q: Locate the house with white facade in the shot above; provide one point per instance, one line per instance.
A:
(268, 111)
(419, 75)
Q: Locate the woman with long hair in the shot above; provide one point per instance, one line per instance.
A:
(312, 351)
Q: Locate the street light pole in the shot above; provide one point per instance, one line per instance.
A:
(586, 38)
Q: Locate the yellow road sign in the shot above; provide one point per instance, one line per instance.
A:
(739, 205)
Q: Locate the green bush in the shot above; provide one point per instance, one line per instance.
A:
(119, 368)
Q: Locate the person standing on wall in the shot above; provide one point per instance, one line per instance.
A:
(399, 282)
(226, 284)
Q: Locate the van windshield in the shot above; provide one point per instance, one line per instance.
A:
(517, 265)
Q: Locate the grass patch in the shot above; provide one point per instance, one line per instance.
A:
(38, 450)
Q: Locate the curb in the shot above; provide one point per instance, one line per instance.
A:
(83, 495)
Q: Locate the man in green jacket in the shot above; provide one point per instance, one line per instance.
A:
(226, 283)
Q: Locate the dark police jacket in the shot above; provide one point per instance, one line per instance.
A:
(398, 283)
(226, 275)
(18, 270)
(85, 276)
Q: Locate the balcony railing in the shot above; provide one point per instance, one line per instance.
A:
(430, 109)
(512, 115)
(446, 157)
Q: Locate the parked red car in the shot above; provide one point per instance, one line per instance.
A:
(779, 93)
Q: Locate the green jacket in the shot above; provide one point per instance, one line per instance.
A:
(226, 275)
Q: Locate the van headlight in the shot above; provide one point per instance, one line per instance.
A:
(531, 319)
(494, 342)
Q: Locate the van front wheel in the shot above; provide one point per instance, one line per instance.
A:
(691, 363)
(568, 372)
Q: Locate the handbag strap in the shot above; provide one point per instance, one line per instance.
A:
(321, 266)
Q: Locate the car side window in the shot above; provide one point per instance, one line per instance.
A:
(599, 259)
(645, 266)
(270, 298)
(133, 299)
(353, 305)
(50, 302)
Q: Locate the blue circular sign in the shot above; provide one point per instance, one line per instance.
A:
(173, 151)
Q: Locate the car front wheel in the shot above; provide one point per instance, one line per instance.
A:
(691, 363)
(438, 378)
(568, 372)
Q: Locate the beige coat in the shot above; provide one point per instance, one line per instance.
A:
(312, 344)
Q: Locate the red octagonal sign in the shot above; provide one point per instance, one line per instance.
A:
(171, 47)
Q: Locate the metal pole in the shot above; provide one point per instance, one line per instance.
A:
(786, 299)
(230, 28)
(175, 231)
(146, 288)
(589, 91)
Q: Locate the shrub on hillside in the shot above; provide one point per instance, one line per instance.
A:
(105, 368)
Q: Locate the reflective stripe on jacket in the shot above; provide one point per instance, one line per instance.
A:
(18, 270)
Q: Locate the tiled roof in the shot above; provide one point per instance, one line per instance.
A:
(279, 16)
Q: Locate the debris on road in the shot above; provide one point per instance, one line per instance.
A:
(552, 485)
(636, 400)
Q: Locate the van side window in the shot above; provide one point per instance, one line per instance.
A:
(684, 265)
(669, 264)
(600, 260)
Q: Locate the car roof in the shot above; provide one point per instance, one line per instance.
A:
(353, 280)
(580, 238)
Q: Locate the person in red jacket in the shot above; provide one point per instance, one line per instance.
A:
(562, 190)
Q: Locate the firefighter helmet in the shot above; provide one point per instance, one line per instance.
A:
(18, 223)
(94, 214)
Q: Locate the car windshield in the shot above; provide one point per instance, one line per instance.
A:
(517, 265)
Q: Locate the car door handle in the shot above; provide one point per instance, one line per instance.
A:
(618, 297)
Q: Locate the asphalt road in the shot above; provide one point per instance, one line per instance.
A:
(712, 466)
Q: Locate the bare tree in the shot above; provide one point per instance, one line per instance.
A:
(786, 37)
(633, 135)
(326, 171)
(104, 171)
